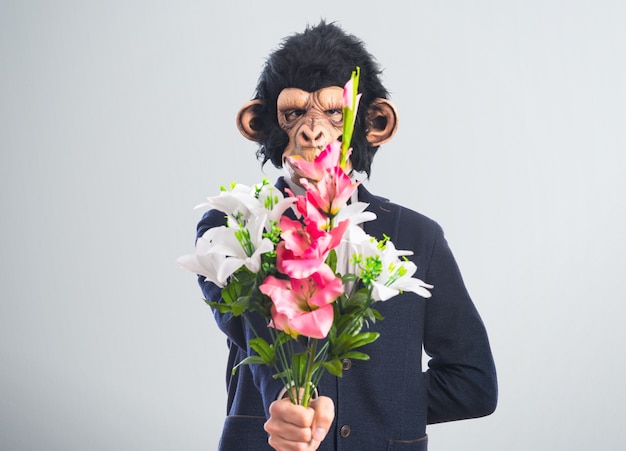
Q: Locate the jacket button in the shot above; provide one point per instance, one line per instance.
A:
(346, 364)
(344, 431)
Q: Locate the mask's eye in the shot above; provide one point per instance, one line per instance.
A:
(335, 115)
(293, 115)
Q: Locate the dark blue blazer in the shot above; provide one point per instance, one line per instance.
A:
(384, 403)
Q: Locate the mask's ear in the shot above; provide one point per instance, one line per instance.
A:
(382, 122)
(250, 122)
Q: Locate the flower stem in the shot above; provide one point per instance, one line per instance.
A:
(308, 388)
(349, 113)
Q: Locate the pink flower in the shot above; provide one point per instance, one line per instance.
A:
(316, 169)
(332, 192)
(304, 248)
(310, 214)
(304, 306)
(328, 186)
(348, 93)
(280, 321)
(348, 96)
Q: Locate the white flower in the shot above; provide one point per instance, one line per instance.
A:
(356, 213)
(396, 275)
(220, 251)
(204, 261)
(354, 242)
(205, 265)
(272, 200)
(240, 203)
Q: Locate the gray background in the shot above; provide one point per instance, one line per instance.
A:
(116, 118)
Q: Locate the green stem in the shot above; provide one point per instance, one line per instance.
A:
(309, 373)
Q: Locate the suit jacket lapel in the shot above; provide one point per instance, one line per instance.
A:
(387, 215)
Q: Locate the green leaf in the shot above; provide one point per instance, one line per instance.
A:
(219, 306)
(281, 339)
(346, 342)
(263, 349)
(348, 325)
(373, 315)
(240, 305)
(250, 360)
(299, 363)
(229, 294)
(361, 297)
(284, 375)
(355, 355)
(363, 339)
(334, 367)
(339, 346)
(331, 260)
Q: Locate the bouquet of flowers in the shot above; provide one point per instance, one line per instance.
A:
(312, 273)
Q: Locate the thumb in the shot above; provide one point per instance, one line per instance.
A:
(324, 409)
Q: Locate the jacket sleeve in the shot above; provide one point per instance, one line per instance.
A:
(239, 330)
(461, 379)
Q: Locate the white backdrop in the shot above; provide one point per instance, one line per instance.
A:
(116, 118)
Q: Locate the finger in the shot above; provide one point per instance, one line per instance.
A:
(324, 408)
(287, 412)
(288, 423)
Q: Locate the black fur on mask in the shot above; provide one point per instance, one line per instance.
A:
(321, 56)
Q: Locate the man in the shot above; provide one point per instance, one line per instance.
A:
(386, 402)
